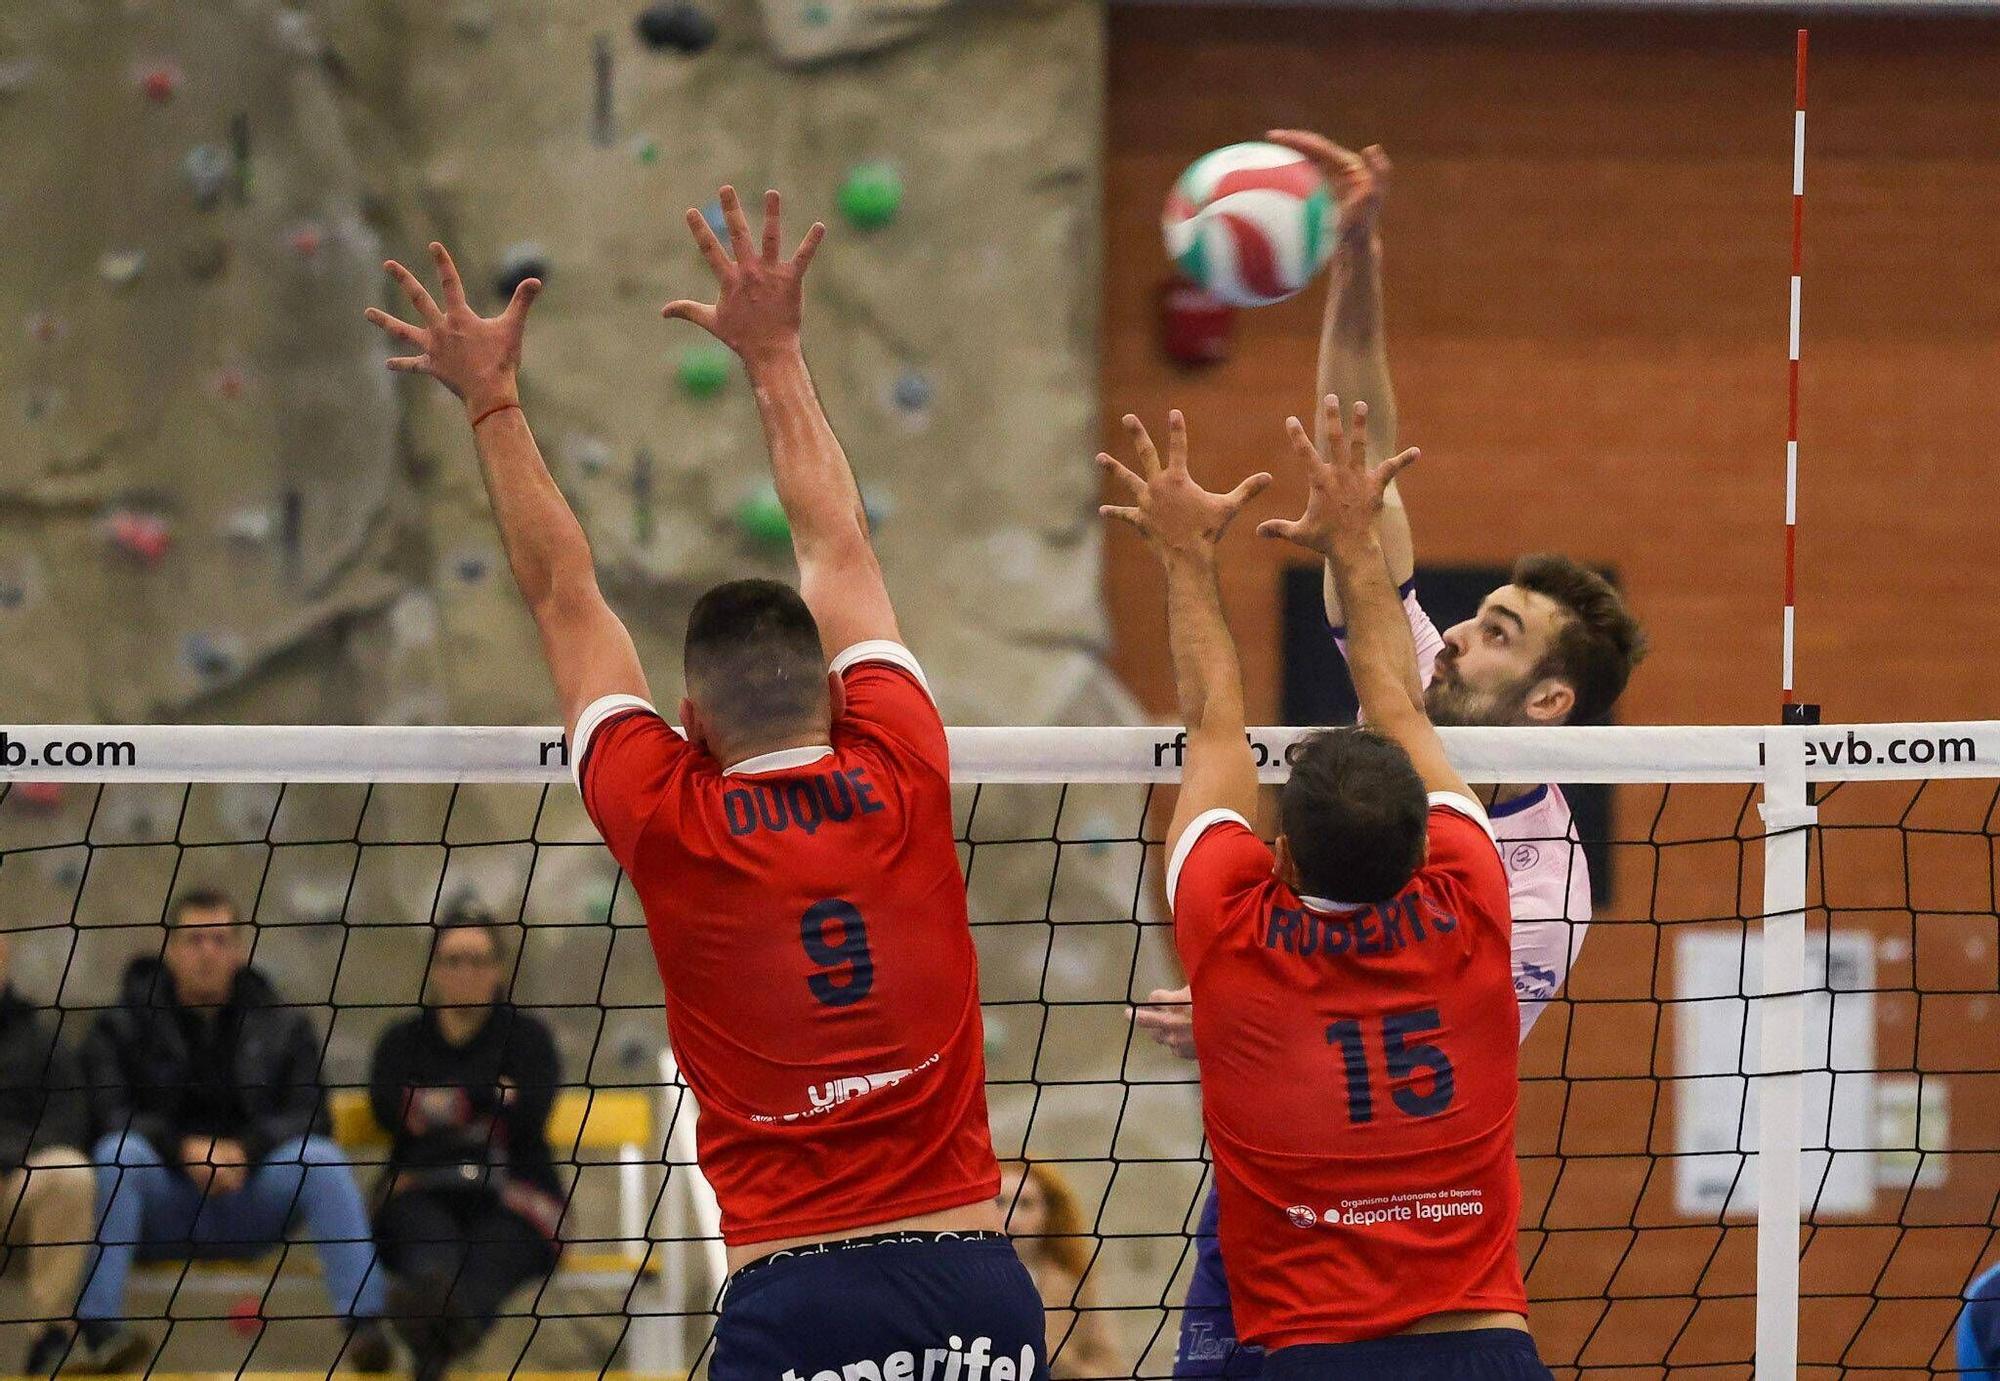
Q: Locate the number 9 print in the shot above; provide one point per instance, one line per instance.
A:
(847, 969)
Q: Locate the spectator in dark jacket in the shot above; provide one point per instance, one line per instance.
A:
(205, 1092)
(45, 1179)
(473, 1202)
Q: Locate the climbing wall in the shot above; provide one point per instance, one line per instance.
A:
(215, 504)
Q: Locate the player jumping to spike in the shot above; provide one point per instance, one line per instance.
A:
(794, 855)
(1554, 646)
(1354, 1010)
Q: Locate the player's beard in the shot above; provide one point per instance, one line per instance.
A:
(1450, 701)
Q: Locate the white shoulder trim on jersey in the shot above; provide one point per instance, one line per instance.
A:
(1197, 827)
(1469, 808)
(594, 714)
(881, 650)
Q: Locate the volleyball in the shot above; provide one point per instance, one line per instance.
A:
(1251, 223)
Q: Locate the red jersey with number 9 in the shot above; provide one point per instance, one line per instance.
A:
(808, 914)
(1358, 1076)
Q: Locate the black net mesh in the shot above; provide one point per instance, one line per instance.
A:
(1637, 1231)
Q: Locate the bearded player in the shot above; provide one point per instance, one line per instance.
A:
(1554, 646)
(793, 851)
(1354, 1007)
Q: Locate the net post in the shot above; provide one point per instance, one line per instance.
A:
(1779, 1080)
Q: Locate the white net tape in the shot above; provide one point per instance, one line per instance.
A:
(1107, 754)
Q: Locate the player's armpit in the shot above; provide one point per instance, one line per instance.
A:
(1461, 843)
(888, 699)
(1216, 861)
(1423, 631)
(589, 652)
(841, 582)
(1218, 773)
(624, 757)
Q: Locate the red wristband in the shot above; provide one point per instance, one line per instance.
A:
(497, 407)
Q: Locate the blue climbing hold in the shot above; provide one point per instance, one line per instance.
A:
(913, 390)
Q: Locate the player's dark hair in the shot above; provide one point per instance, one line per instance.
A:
(202, 899)
(1353, 813)
(753, 658)
(1599, 642)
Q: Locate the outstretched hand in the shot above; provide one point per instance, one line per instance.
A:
(1167, 1015)
(475, 357)
(1358, 180)
(756, 312)
(1173, 512)
(1344, 493)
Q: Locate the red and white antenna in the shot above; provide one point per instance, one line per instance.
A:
(1793, 712)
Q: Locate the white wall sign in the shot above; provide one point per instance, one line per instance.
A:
(1717, 1031)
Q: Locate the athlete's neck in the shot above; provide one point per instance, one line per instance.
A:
(461, 1024)
(1493, 796)
(735, 753)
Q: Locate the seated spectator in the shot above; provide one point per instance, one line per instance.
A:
(472, 1200)
(205, 1092)
(1047, 1228)
(45, 1180)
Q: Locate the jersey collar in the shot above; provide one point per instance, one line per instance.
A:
(778, 761)
(1519, 803)
(1333, 908)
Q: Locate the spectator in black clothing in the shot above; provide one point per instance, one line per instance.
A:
(472, 1200)
(205, 1090)
(45, 1180)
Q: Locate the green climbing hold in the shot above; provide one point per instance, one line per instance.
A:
(704, 370)
(763, 520)
(871, 195)
(817, 15)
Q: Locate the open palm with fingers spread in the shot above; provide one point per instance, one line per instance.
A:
(476, 357)
(1175, 514)
(1344, 492)
(1357, 180)
(757, 308)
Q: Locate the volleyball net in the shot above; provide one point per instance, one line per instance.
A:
(1761, 1126)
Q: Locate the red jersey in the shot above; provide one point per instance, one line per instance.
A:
(808, 914)
(1358, 1076)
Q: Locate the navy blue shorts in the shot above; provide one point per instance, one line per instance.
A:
(906, 1306)
(1477, 1354)
(1208, 1346)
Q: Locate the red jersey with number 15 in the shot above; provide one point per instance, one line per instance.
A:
(1358, 1076)
(808, 914)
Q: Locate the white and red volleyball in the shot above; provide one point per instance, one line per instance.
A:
(1251, 223)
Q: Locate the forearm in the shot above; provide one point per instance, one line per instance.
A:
(808, 467)
(1354, 365)
(1208, 681)
(545, 545)
(1381, 651)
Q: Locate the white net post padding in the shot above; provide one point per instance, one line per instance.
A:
(1781, 1078)
(1794, 1145)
